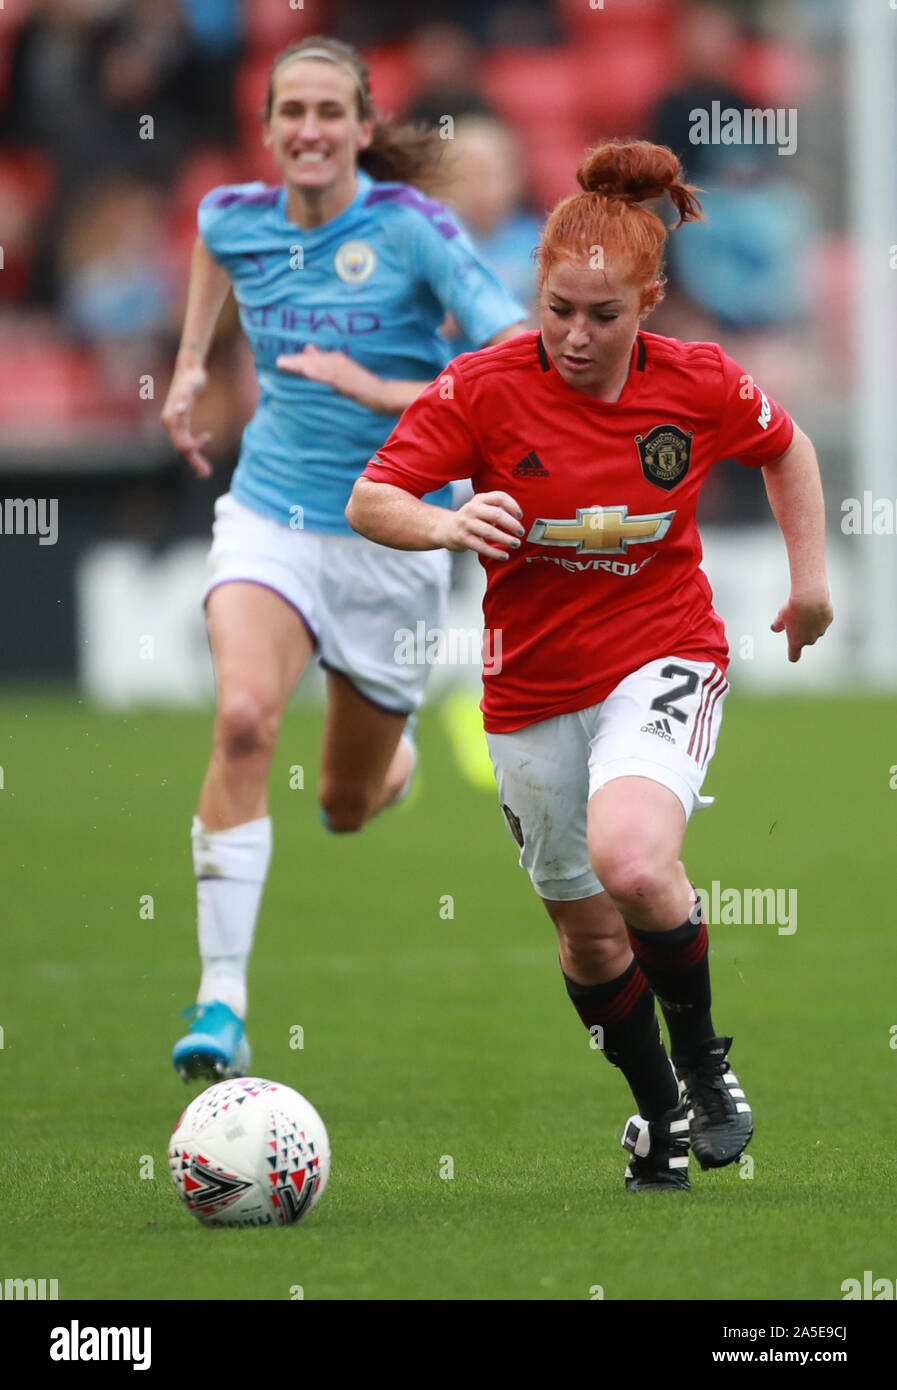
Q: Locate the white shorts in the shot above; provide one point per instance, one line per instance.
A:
(661, 722)
(354, 596)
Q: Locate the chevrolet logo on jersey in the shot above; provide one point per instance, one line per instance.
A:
(608, 529)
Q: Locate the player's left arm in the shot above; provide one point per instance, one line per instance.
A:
(440, 258)
(794, 489)
(350, 378)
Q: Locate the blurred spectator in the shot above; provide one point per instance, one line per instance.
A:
(486, 191)
(117, 291)
(443, 60)
(522, 22)
(217, 25)
(104, 89)
(26, 183)
(211, 69)
(364, 24)
(747, 265)
(743, 277)
(85, 75)
(81, 77)
(708, 46)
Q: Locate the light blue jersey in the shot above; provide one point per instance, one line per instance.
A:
(508, 253)
(375, 282)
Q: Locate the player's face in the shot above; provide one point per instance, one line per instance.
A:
(314, 131)
(589, 321)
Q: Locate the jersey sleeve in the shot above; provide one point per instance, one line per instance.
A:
(433, 443)
(753, 427)
(463, 285)
(226, 218)
(209, 219)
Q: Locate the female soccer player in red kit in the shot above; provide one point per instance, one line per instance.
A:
(587, 444)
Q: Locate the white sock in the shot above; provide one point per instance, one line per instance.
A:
(231, 867)
(402, 794)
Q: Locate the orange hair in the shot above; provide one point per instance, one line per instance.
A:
(617, 178)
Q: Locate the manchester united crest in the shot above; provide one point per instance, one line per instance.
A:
(665, 453)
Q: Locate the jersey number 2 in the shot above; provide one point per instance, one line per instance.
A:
(664, 703)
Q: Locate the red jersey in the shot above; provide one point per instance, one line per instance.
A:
(607, 577)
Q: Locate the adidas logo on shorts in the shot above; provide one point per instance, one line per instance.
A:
(660, 727)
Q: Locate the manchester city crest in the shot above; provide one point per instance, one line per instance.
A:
(355, 262)
(665, 453)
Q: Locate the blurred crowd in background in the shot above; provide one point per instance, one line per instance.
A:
(97, 221)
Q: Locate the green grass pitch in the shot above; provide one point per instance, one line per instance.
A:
(427, 1037)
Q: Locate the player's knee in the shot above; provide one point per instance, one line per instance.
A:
(246, 724)
(630, 877)
(585, 957)
(344, 809)
(592, 937)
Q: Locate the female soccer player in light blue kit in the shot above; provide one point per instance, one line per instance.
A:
(342, 276)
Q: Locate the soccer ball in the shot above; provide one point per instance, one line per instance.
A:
(249, 1152)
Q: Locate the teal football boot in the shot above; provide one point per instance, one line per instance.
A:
(216, 1046)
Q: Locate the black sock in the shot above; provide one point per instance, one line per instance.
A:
(624, 1009)
(675, 965)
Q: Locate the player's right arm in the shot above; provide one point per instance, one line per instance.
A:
(391, 516)
(432, 444)
(208, 289)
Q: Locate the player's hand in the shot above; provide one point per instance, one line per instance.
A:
(489, 523)
(804, 619)
(176, 418)
(336, 369)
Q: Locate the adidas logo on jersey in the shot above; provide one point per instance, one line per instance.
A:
(660, 727)
(530, 467)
